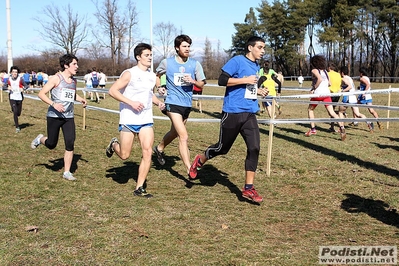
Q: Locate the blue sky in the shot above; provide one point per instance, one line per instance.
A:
(198, 19)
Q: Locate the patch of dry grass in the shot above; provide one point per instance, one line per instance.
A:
(321, 192)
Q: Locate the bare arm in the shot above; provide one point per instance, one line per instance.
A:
(120, 84)
(253, 79)
(347, 85)
(317, 75)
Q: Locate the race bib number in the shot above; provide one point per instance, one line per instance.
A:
(178, 79)
(67, 95)
(251, 91)
(15, 90)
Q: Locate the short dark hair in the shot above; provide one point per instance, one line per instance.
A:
(182, 38)
(332, 66)
(14, 67)
(138, 50)
(266, 66)
(66, 59)
(318, 62)
(252, 41)
(363, 71)
(345, 70)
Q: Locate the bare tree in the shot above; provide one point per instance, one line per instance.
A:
(131, 25)
(64, 29)
(107, 18)
(165, 34)
(116, 26)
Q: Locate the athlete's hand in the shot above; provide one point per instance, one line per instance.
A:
(252, 79)
(263, 91)
(188, 79)
(137, 106)
(84, 103)
(161, 106)
(161, 91)
(59, 107)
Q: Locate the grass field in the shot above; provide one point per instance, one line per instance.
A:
(321, 191)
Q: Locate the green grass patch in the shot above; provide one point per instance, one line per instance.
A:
(321, 191)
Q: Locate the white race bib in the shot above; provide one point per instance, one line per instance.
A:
(67, 95)
(15, 90)
(178, 79)
(251, 91)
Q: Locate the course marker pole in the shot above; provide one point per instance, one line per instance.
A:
(389, 104)
(84, 119)
(270, 144)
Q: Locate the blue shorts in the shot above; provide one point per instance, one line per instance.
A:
(268, 103)
(133, 128)
(363, 101)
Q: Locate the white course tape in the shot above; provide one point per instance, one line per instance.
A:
(278, 121)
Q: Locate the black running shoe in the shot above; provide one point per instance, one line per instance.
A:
(141, 192)
(109, 151)
(160, 156)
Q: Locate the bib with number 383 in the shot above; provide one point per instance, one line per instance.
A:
(251, 91)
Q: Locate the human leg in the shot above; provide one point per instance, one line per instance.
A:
(167, 138)
(146, 137)
(229, 130)
(375, 114)
(53, 131)
(14, 109)
(68, 130)
(200, 106)
(312, 130)
(250, 133)
(332, 113)
(123, 148)
(179, 126)
(334, 99)
(311, 114)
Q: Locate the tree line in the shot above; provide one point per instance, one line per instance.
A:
(352, 33)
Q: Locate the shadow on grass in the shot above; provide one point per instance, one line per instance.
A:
(58, 164)
(374, 208)
(25, 125)
(392, 139)
(208, 176)
(122, 174)
(393, 147)
(339, 155)
(170, 162)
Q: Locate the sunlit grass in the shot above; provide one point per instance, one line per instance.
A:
(321, 191)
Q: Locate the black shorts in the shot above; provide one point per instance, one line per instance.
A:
(197, 92)
(182, 110)
(335, 99)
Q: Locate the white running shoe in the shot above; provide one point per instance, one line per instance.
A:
(68, 176)
(36, 141)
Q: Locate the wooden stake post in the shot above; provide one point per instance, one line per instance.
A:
(270, 144)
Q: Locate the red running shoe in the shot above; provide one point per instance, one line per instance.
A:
(311, 132)
(195, 166)
(251, 194)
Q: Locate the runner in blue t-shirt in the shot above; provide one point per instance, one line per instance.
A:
(240, 76)
(182, 72)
